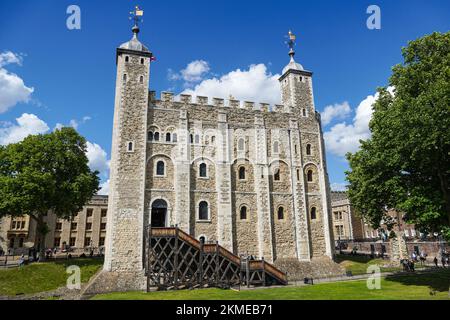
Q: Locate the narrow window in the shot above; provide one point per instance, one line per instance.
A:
(156, 136)
(310, 176)
(192, 138)
(275, 147)
(276, 175)
(197, 139)
(142, 60)
(202, 170)
(308, 149)
(213, 139)
(150, 136)
(243, 213)
(241, 144)
(127, 59)
(160, 168)
(295, 147)
(130, 146)
(174, 137)
(242, 173)
(313, 213)
(124, 77)
(280, 213)
(141, 79)
(304, 112)
(202, 239)
(298, 175)
(203, 210)
(168, 137)
(262, 173)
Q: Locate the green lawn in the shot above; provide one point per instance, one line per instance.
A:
(39, 277)
(358, 264)
(423, 286)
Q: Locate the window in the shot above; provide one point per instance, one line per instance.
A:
(308, 149)
(160, 168)
(203, 211)
(304, 112)
(280, 213)
(174, 137)
(197, 139)
(87, 241)
(213, 139)
(57, 242)
(202, 239)
(58, 226)
(142, 60)
(20, 242)
(127, 59)
(275, 147)
(89, 226)
(203, 170)
(13, 225)
(298, 175)
(141, 79)
(241, 145)
(150, 136)
(73, 226)
(156, 136)
(243, 213)
(191, 138)
(242, 173)
(89, 212)
(104, 212)
(72, 241)
(124, 77)
(313, 213)
(130, 147)
(168, 137)
(295, 147)
(310, 175)
(103, 226)
(276, 174)
(101, 241)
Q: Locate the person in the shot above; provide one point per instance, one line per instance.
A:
(447, 260)
(21, 261)
(435, 260)
(443, 261)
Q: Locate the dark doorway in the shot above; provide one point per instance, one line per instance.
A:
(159, 212)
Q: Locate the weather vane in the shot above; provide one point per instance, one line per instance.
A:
(136, 15)
(291, 40)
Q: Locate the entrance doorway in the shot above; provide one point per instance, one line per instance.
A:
(159, 213)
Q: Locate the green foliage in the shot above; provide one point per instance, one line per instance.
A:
(46, 172)
(406, 164)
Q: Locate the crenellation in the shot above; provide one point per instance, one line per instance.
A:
(202, 100)
(218, 102)
(186, 98)
(167, 96)
(249, 105)
(233, 103)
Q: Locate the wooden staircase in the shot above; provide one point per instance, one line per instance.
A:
(176, 260)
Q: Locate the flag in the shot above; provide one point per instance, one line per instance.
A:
(139, 13)
(152, 58)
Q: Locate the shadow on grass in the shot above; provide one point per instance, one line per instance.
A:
(81, 262)
(362, 259)
(438, 280)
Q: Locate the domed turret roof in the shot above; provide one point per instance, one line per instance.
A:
(134, 44)
(292, 65)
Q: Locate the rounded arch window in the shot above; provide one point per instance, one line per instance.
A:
(160, 168)
(276, 147)
(142, 60)
(174, 137)
(141, 79)
(168, 137)
(313, 213)
(202, 239)
(280, 213)
(203, 170)
(243, 213)
(150, 136)
(242, 173)
(124, 77)
(304, 112)
(310, 175)
(276, 174)
(241, 144)
(156, 136)
(127, 59)
(203, 210)
(191, 137)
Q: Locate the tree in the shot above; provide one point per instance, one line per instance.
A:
(46, 173)
(405, 165)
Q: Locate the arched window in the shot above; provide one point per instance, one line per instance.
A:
(174, 137)
(298, 175)
(241, 144)
(191, 138)
(242, 173)
(310, 176)
(124, 77)
(308, 149)
(304, 112)
(276, 174)
(141, 79)
(203, 170)
(202, 239)
(156, 136)
(313, 213)
(150, 136)
(142, 60)
(213, 139)
(127, 59)
(203, 213)
(280, 213)
(168, 137)
(275, 147)
(130, 146)
(243, 213)
(160, 168)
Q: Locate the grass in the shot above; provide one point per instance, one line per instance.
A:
(418, 286)
(358, 264)
(45, 276)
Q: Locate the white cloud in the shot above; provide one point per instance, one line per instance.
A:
(104, 188)
(338, 111)
(26, 124)
(343, 137)
(12, 88)
(74, 123)
(338, 186)
(194, 72)
(98, 159)
(255, 84)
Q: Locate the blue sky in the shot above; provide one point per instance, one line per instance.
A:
(72, 72)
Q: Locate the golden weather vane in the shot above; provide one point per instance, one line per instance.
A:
(136, 15)
(291, 40)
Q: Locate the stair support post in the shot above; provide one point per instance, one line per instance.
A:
(263, 271)
(200, 265)
(175, 275)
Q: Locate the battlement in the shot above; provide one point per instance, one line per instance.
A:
(186, 100)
